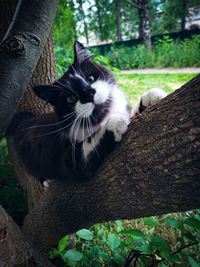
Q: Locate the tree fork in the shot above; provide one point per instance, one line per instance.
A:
(155, 170)
(20, 50)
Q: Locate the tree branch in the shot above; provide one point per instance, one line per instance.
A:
(14, 250)
(135, 3)
(20, 50)
(155, 170)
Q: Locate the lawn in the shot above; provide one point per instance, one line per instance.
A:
(135, 84)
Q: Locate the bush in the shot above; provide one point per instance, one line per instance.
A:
(171, 240)
(165, 53)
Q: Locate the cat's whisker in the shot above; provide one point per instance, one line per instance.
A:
(50, 124)
(89, 121)
(84, 120)
(53, 131)
(104, 78)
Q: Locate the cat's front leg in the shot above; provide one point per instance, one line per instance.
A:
(118, 125)
(149, 98)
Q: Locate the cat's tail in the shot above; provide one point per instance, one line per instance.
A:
(16, 121)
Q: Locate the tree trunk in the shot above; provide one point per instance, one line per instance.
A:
(155, 170)
(84, 22)
(44, 73)
(99, 19)
(14, 249)
(144, 24)
(22, 45)
(183, 15)
(118, 20)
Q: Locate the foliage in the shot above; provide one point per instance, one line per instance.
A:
(166, 53)
(11, 195)
(111, 244)
(64, 25)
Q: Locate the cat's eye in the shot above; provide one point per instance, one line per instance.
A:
(90, 79)
(71, 99)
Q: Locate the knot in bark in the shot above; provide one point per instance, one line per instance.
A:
(15, 45)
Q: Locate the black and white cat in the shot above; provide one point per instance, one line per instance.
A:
(91, 115)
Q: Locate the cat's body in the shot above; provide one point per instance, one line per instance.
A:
(91, 115)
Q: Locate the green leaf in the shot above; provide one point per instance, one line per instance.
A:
(145, 248)
(73, 255)
(134, 232)
(151, 221)
(173, 223)
(193, 262)
(157, 242)
(167, 256)
(113, 241)
(63, 243)
(118, 259)
(85, 234)
(189, 236)
(163, 265)
(193, 223)
(52, 253)
(119, 225)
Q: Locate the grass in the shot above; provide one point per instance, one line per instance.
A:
(135, 84)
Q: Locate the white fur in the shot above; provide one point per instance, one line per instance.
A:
(116, 120)
(149, 98)
(103, 90)
(84, 110)
(91, 146)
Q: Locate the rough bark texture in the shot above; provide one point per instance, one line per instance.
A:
(14, 249)
(44, 73)
(22, 46)
(155, 170)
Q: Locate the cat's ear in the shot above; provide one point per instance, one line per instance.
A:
(49, 93)
(80, 53)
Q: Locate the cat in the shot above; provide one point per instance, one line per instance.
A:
(91, 114)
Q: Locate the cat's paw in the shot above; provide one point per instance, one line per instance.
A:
(46, 184)
(147, 99)
(152, 97)
(118, 125)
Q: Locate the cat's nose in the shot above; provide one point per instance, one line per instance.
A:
(90, 95)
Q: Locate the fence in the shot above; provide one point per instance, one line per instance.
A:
(186, 34)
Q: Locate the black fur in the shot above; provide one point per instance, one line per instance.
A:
(43, 143)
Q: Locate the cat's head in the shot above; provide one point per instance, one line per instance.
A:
(85, 88)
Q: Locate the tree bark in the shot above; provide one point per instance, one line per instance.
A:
(44, 73)
(183, 15)
(144, 21)
(14, 249)
(144, 24)
(155, 170)
(99, 19)
(22, 46)
(118, 20)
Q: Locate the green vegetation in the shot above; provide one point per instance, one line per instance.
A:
(11, 195)
(135, 84)
(165, 53)
(170, 240)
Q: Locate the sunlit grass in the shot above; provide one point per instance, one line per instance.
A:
(135, 84)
